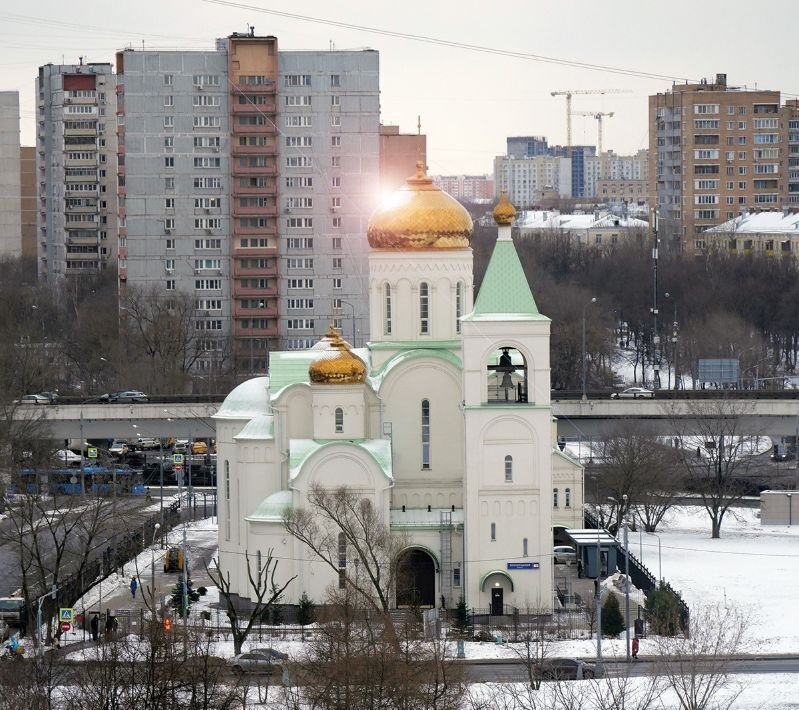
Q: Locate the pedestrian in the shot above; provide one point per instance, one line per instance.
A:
(95, 626)
(133, 586)
(109, 627)
(636, 643)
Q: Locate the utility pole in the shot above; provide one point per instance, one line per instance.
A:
(598, 604)
(655, 336)
(82, 446)
(627, 587)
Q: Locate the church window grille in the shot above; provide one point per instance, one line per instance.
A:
(568, 497)
(508, 469)
(424, 308)
(387, 301)
(458, 306)
(425, 433)
(555, 497)
(227, 500)
(456, 576)
(493, 532)
(339, 417)
(524, 547)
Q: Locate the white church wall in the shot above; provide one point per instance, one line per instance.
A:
(350, 399)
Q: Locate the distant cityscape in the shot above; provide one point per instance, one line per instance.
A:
(243, 177)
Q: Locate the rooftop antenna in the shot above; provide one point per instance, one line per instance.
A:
(80, 59)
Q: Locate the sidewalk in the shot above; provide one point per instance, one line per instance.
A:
(113, 593)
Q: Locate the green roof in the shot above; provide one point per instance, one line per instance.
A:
(505, 293)
(300, 450)
(408, 355)
(271, 509)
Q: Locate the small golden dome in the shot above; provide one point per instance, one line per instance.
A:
(420, 216)
(504, 212)
(336, 364)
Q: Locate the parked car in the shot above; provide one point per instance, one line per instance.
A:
(633, 393)
(566, 669)
(67, 457)
(258, 660)
(119, 447)
(565, 555)
(124, 396)
(147, 443)
(41, 398)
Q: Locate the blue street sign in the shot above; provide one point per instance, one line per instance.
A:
(523, 565)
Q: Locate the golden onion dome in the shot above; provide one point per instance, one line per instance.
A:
(504, 212)
(420, 216)
(336, 364)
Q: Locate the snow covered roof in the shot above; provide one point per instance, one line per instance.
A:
(552, 219)
(760, 222)
(249, 399)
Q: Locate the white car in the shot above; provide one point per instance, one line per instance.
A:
(633, 393)
(67, 457)
(564, 554)
(118, 447)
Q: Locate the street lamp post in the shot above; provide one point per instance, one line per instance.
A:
(790, 512)
(674, 340)
(598, 604)
(660, 558)
(152, 566)
(593, 300)
(352, 317)
(40, 601)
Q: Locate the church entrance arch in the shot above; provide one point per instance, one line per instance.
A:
(416, 578)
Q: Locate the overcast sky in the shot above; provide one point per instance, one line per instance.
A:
(469, 101)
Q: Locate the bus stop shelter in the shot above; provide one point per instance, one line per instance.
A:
(588, 542)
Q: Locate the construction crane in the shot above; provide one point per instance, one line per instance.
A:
(598, 115)
(572, 92)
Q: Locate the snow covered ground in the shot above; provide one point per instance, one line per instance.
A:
(754, 567)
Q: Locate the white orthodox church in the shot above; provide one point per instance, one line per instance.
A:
(443, 420)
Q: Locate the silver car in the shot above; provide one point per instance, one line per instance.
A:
(633, 393)
(258, 660)
(565, 555)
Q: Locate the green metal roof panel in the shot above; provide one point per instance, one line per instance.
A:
(406, 356)
(271, 509)
(300, 450)
(261, 427)
(504, 291)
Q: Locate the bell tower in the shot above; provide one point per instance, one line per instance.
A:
(507, 420)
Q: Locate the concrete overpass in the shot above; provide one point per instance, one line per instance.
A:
(116, 421)
(761, 413)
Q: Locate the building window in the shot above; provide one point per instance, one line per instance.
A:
(335, 120)
(524, 547)
(168, 78)
(169, 121)
(227, 500)
(458, 306)
(425, 433)
(387, 302)
(342, 560)
(568, 498)
(339, 415)
(508, 469)
(335, 80)
(424, 308)
(493, 532)
(335, 101)
(555, 497)
(456, 576)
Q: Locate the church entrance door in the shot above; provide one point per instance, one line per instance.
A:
(416, 579)
(497, 599)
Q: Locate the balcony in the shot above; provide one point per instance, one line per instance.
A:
(261, 109)
(237, 89)
(269, 189)
(268, 211)
(237, 150)
(239, 292)
(83, 163)
(270, 231)
(80, 132)
(254, 129)
(269, 169)
(240, 332)
(240, 312)
(254, 271)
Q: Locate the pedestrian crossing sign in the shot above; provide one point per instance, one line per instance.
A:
(66, 614)
(177, 458)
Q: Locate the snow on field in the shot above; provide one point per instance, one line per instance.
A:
(754, 567)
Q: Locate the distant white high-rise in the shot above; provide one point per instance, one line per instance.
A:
(76, 169)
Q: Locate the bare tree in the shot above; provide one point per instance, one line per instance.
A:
(638, 472)
(717, 452)
(696, 668)
(265, 592)
(343, 516)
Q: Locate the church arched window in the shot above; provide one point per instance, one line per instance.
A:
(387, 309)
(555, 497)
(507, 376)
(493, 532)
(425, 433)
(458, 305)
(508, 469)
(227, 500)
(424, 308)
(342, 560)
(524, 547)
(339, 420)
(568, 497)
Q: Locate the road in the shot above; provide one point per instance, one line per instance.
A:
(500, 671)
